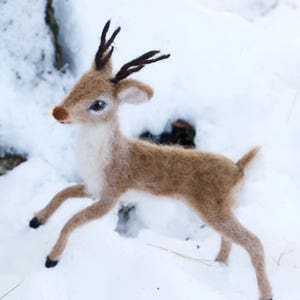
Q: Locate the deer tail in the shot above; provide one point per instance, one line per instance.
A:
(244, 161)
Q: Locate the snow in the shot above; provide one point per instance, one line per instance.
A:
(234, 76)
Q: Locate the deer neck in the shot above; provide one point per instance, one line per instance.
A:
(95, 144)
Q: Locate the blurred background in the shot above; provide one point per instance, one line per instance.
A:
(233, 78)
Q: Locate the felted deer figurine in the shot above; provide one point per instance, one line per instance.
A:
(110, 163)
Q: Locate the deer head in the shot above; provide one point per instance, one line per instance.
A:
(98, 93)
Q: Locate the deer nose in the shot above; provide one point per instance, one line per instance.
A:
(60, 114)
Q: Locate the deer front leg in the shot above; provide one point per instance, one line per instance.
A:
(75, 191)
(91, 213)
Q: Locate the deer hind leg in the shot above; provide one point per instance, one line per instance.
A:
(75, 191)
(88, 214)
(230, 227)
(224, 251)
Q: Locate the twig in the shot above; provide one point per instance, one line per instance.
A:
(11, 290)
(272, 7)
(202, 261)
(278, 260)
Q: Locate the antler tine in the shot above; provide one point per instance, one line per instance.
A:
(142, 58)
(103, 34)
(137, 64)
(165, 56)
(100, 61)
(110, 41)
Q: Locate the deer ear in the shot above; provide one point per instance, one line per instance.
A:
(133, 91)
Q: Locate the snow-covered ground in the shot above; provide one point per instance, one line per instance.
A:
(235, 77)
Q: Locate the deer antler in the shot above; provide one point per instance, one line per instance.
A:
(100, 58)
(137, 64)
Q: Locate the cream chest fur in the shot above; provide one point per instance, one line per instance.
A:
(92, 153)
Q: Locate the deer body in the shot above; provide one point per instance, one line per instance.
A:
(110, 163)
(172, 171)
(104, 155)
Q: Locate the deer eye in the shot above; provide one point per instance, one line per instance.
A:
(98, 105)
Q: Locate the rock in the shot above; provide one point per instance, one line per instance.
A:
(8, 161)
(182, 133)
(128, 221)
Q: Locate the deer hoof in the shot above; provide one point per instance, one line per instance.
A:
(50, 263)
(34, 223)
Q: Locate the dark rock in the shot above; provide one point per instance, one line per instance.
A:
(128, 222)
(8, 161)
(182, 133)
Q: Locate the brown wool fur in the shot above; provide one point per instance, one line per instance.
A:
(204, 180)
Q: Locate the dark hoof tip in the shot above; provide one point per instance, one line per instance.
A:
(50, 263)
(34, 223)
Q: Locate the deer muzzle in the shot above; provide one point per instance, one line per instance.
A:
(61, 114)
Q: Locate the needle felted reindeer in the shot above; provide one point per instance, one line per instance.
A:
(110, 163)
